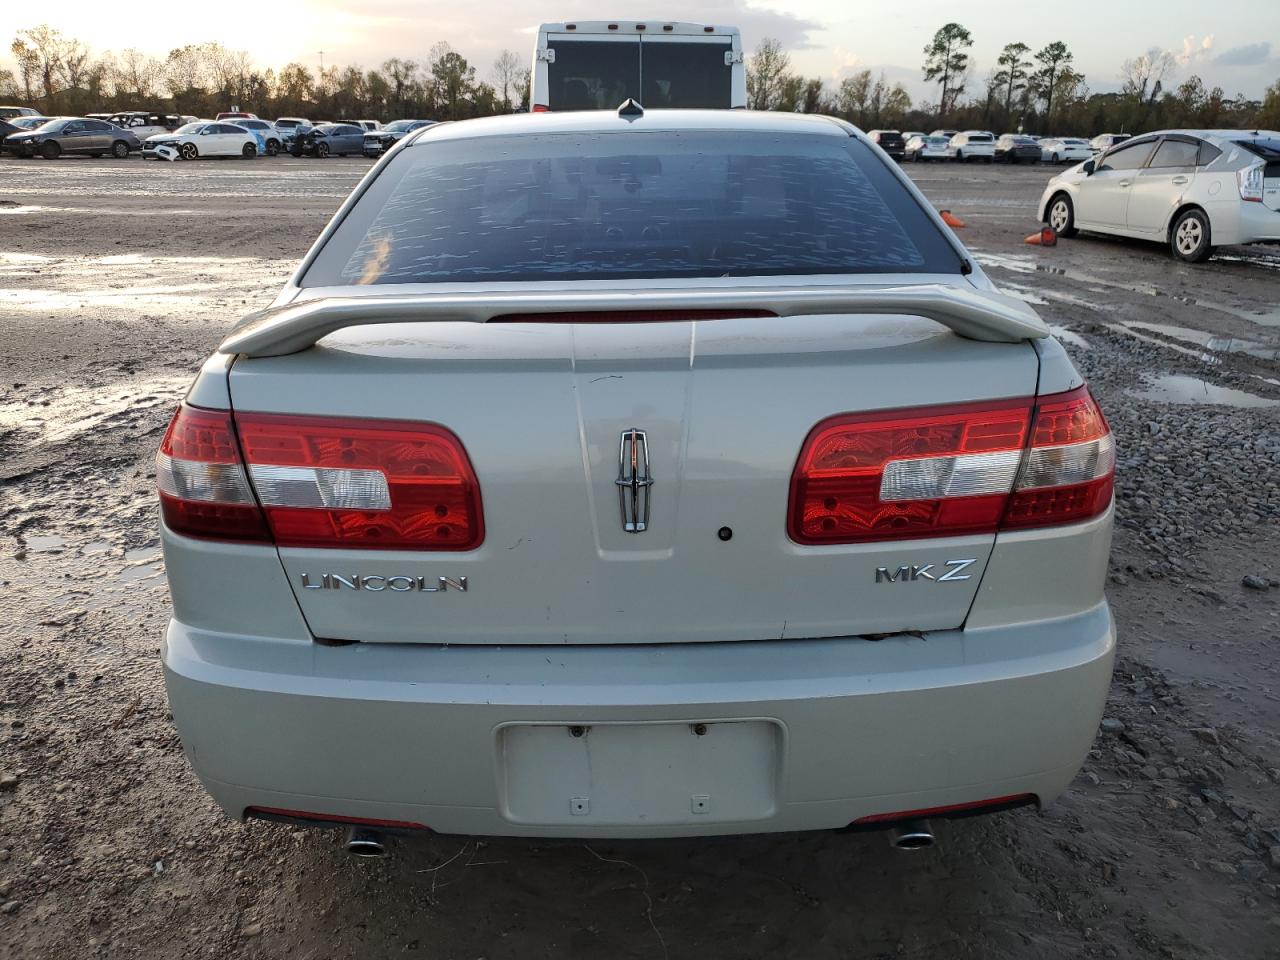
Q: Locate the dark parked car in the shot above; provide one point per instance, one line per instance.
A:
(328, 138)
(1017, 148)
(890, 141)
(72, 135)
(7, 128)
(378, 142)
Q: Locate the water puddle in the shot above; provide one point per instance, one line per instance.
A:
(1177, 388)
(50, 543)
(1198, 344)
(142, 564)
(132, 282)
(1025, 263)
(1069, 336)
(59, 415)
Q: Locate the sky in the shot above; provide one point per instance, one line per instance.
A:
(1234, 44)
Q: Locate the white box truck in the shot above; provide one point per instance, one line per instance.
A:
(599, 64)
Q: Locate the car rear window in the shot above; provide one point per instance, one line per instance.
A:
(619, 205)
(1267, 149)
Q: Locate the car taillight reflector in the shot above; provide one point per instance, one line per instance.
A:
(1252, 181)
(203, 488)
(365, 484)
(952, 470)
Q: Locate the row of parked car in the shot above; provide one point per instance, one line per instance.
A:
(174, 137)
(985, 147)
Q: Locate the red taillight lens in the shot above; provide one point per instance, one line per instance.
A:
(203, 488)
(934, 472)
(541, 108)
(364, 484)
(952, 470)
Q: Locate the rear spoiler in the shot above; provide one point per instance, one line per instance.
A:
(972, 313)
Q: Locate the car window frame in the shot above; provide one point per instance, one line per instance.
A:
(1193, 142)
(1121, 147)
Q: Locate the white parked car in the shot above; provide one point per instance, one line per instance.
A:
(204, 138)
(596, 65)
(1064, 150)
(727, 570)
(1191, 189)
(1105, 141)
(923, 147)
(972, 145)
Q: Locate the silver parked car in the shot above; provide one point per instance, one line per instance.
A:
(774, 516)
(1192, 189)
(71, 136)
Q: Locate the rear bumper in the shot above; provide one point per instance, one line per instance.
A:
(1257, 223)
(423, 734)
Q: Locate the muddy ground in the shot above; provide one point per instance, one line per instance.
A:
(117, 278)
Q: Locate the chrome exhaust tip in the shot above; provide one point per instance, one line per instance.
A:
(363, 842)
(912, 835)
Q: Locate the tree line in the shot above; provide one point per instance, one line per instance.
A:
(58, 75)
(1038, 91)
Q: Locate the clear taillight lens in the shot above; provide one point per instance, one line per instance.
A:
(1251, 182)
(952, 470)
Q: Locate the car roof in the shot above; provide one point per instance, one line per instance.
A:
(1219, 136)
(593, 121)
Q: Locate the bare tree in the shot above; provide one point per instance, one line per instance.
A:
(401, 75)
(524, 83)
(506, 75)
(39, 52)
(852, 96)
(136, 73)
(1143, 76)
(768, 71)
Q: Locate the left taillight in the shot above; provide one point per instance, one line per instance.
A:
(204, 491)
(304, 481)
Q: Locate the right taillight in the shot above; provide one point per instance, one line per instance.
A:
(952, 470)
(1069, 467)
(304, 481)
(1251, 181)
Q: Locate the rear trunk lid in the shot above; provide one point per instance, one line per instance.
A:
(542, 410)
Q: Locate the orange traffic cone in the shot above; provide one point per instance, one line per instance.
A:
(950, 219)
(1045, 237)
